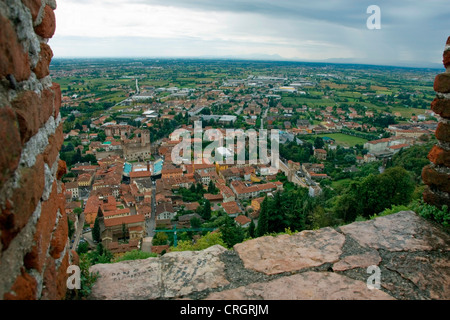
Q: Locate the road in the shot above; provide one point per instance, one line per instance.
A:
(79, 232)
(150, 223)
(295, 179)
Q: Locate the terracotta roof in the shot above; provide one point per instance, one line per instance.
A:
(242, 220)
(116, 212)
(140, 174)
(213, 197)
(124, 220)
(231, 207)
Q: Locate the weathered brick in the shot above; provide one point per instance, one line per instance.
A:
(436, 179)
(36, 257)
(442, 83)
(443, 132)
(436, 199)
(62, 169)
(75, 257)
(446, 59)
(11, 147)
(441, 107)
(47, 109)
(61, 277)
(60, 237)
(24, 288)
(46, 29)
(55, 142)
(34, 6)
(27, 107)
(55, 286)
(439, 156)
(57, 98)
(23, 202)
(13, 58)
(45, 57)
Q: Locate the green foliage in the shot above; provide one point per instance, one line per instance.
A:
(374, 194)
(71, 228)
(433, 213)
(87, 280)
(206, 213)
(388, 211)
(318, 143)
(195, 222)
(77, 211)
(99, 255)
(231, 233)
(413, 159)
(208, 240)
(83, 247)
(251, 229)
(96, 231)
(263, 221)
(135, 255)
(160, 239)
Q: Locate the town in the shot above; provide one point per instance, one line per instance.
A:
(336, 124)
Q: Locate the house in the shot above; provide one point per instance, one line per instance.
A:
(113, 229)
(243, 221)
(213, 198)
(320, 154)
(72, 187)
(243, 191)
(369, 158)
(165, 211)
(231, 208)
(91, 209)
(184, 221)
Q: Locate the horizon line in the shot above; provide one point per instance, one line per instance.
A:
(406, 66)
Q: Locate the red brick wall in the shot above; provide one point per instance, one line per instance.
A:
(34, 244)
(437, 175)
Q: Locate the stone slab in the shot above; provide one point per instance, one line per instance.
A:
(173, 275)
(285, 253)
(304, 286)
(403, 231)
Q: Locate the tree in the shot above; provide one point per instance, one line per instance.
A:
(96, 231)
(77, 211)
(263, 220)
(251, 229)
(124, 231)
(231, 233)
(160, 239)
(212, 187)
(206, 213)
(195, 222)
(318, 143)
(83, 247)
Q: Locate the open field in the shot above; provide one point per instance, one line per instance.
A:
(343, 139)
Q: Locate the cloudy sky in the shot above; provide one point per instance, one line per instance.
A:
(413, 32)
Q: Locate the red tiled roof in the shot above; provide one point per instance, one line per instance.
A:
(124, 220)
(140, 174)
(242, 220)
(231, 207)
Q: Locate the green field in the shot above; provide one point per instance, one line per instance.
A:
(343, 139)
(407, 112)
(338, 183)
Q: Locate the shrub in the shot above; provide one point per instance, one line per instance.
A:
(430, 212)
(135, 255)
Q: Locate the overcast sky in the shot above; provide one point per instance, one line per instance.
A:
(412, 31)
